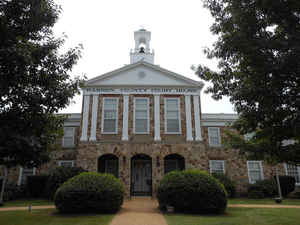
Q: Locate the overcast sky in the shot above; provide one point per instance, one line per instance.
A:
(179, 29)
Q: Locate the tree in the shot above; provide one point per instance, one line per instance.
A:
(258, 49)
(35, 82)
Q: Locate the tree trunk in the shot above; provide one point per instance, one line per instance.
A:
(3, 185)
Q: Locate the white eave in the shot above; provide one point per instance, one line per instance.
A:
(218, 119)
(189, 82)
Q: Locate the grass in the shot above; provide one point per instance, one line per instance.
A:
(51, 217)
(26, 202)
(267, 201)
(239, 216)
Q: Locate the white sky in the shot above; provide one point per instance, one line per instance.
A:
(179, 30)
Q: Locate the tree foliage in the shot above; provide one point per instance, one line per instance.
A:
(258, 49)
(35, 81)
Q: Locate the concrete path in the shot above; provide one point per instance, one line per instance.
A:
(264, 206)
(26, 208)
(139, 211)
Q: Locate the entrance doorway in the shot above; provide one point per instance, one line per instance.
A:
(141, 175)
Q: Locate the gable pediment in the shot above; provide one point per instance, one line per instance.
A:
(142, 74)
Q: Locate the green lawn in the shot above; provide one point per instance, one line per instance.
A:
(51, 217)
(239, 216)
(26, 202)
(263, 201)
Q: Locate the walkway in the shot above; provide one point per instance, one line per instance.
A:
(139, 211)
(145, 209)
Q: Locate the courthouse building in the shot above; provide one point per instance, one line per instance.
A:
(141, 121)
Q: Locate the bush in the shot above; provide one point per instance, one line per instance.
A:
(13, 191)
(228, 184)
(90, 192)
(262, 189)
(287, 184)
(58, 176)
(192, 191)
(36, 185)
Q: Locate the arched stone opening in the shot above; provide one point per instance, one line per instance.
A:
(141, 175)
(109, 163)
(173, 162)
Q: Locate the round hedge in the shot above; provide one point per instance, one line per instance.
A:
(58, 176)
(192, 191)
(90, 192)
(228, 184)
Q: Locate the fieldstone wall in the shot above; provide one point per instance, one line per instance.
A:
(196, 155)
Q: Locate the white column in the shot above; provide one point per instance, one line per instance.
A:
(156, 118)
(197, 118)
(125, 118)
(85, 118)
(94, 118)
(188, 116)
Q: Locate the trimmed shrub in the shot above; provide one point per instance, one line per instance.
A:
(13, 191)
(287, 184)
(192, 191)
(228, 184)
(58, 176)
(90, 192)
(262, 189)
(36, 185)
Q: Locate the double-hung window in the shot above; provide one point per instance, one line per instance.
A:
(68, 140)
(172, 116)
(255, 171)
(214, 137)
(110, 116)
(294, 171)
(217, 166)
(141, 115)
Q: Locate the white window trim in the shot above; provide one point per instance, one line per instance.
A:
(219, 136)
(210, 165)
(286, 172)
(261, 170)
(148, 116)
(67, 161)
(117, 116)
(179, 116)
(73, 145)
(21, 175)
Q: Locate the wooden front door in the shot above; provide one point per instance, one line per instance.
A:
(141, 177)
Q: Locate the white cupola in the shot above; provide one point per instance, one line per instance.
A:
(142, 51)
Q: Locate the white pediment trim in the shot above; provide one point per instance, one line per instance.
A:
(185, 81)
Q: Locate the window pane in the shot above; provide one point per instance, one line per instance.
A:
(172, 125)
(217, 166)
(254, 165)
(255, 176)
(172, 104)
(109, 125)
(141, 114)
(68, 131)
(68, 141)
(110, 104)
(141, 125)
(141, 103)
(109, 114)
(172, 114)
